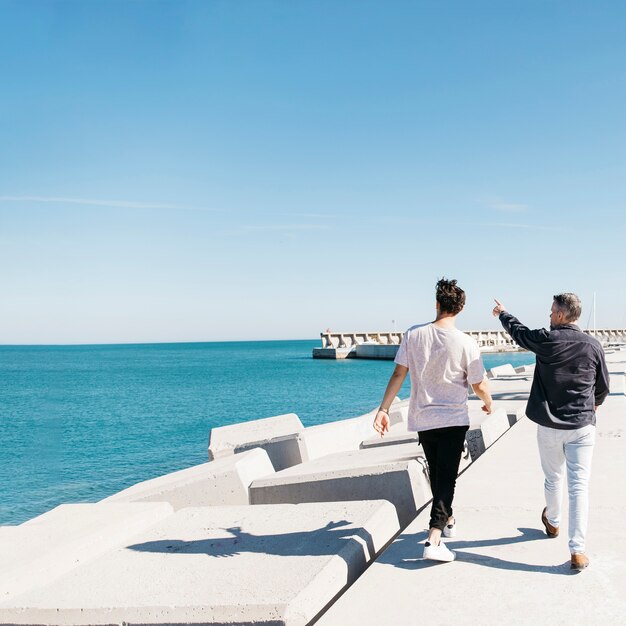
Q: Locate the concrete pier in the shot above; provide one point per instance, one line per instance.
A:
(384, 345)
(335, 537)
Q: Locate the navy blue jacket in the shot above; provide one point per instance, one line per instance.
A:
(571, 376)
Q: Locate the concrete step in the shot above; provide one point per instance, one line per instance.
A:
(219, 565)
(45, 548)
(220, 482)
(279, 436)
(397, 473)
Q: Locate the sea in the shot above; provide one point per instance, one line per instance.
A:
(79, 423)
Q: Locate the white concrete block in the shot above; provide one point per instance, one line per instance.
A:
(494, 426)
(481, 437)
(501, 370)
(398, 414)
(353, 458)
(279, 436)
(41, 550)
(389, 440)
(476, 415)
(346, 435)
(219, 565)
(324, 439)
(220, 482)
(8, 531)
(340, 436)
(514, 414)
(396, 473)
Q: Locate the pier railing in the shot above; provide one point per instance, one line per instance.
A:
(349, 340)
(498, 339)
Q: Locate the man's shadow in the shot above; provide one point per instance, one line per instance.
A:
(354, 544)
(406, 553)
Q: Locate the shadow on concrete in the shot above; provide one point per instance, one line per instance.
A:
(406, 552)
(354, 544)
(512, 395)
(492, 561)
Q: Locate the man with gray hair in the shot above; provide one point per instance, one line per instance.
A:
(571, 381)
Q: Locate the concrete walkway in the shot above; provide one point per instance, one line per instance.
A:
(507, 570)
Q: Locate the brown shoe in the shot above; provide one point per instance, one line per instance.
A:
(551, 531)
(579, 561)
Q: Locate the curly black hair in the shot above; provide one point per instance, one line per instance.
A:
(450, 297)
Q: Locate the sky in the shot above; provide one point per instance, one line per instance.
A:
(243, 170)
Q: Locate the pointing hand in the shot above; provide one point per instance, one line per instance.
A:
(499, 308)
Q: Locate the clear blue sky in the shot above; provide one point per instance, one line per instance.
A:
(202, 171)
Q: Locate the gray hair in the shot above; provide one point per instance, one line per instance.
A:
(570, 305)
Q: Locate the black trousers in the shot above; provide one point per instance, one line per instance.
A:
(443, 448)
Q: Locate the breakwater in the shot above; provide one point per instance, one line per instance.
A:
(384, 344)
(288, 524)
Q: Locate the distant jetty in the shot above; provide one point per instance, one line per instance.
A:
(384, 344)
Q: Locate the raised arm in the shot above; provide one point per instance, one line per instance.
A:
(521, 335)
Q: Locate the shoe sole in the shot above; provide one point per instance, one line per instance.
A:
(434, 558)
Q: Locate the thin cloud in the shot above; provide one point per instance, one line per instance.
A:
(523, 226)
(284, 230)
(312, 215)
(115, 204)
(284, 227)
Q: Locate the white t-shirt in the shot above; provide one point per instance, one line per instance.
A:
(442, 363)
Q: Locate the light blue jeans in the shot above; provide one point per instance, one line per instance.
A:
(571, 449)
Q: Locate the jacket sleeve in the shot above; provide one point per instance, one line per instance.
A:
(521, 335)
(602, 380)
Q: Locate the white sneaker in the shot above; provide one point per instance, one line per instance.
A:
(438, 553)
(449, 530)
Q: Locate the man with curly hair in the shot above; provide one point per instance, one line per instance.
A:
(442, 361)
(570, 382)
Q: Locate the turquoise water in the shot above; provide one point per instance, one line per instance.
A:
(78, 423)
